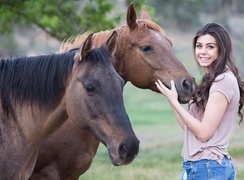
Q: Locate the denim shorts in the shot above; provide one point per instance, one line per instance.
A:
(208, 170)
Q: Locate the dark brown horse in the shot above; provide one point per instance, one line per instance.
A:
(38, 94)
(143, 55)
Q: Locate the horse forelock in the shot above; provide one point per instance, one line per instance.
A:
(98, 55)
(38, 79)
(151, 25)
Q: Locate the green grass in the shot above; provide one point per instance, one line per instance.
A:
(161, 142)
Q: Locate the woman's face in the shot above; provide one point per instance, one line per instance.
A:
(206, 51)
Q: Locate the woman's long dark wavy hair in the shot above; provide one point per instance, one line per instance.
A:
(225, 59)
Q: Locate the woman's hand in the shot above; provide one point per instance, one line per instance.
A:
(170, 94)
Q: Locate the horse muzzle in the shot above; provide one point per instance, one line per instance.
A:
(125, 153)
(185, 88)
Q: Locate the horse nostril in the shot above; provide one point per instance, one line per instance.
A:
(123, 151)
(128, 150)
(187, 86)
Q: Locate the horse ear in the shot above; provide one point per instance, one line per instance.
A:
(85, 49)
(144, 14)
(110, 44)
(131, 16)
(87, 46)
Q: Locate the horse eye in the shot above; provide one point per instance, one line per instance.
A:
(146, 48)
(90, 88)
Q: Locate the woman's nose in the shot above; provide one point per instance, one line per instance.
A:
(203, 50)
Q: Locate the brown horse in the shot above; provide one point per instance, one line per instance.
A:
(143, 55)
(38, 94)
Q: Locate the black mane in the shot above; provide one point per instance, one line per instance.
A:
(38, 79)
(41, 79)
(101, 55)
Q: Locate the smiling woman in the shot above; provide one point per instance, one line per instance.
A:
(210, 119)
(206, 51)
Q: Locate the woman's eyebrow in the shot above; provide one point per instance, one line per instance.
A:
(207, 43)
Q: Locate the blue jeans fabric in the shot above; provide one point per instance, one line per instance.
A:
(208, 170)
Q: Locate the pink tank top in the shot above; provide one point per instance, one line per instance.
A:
(216, 147)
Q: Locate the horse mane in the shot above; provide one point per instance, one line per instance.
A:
(100, 37)
(36, 79)
(76, 42)
(98, 55)
(41, 79)
(73, 42)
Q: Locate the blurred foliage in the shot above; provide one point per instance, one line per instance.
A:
(63, 18)
(183, 14)
(186, 14)
(233, 6)
(138, 4)
(59, 18)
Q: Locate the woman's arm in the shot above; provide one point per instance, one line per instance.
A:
(205, 128)
(178, 117)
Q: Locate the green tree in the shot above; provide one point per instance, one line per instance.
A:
(59, 18)
(138, 4)
(184, 14)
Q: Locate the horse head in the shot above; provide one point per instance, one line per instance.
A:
(148, 56)
(94, 100)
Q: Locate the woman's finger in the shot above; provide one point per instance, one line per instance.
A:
(172, 85)
(158, 86)
(160, 83)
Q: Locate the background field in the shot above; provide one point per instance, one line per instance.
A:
(160, 136)
(153, 122)
(161, 142)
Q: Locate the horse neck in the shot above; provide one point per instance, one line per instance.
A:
(36, 105)
(55, 120)
(45, 122)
